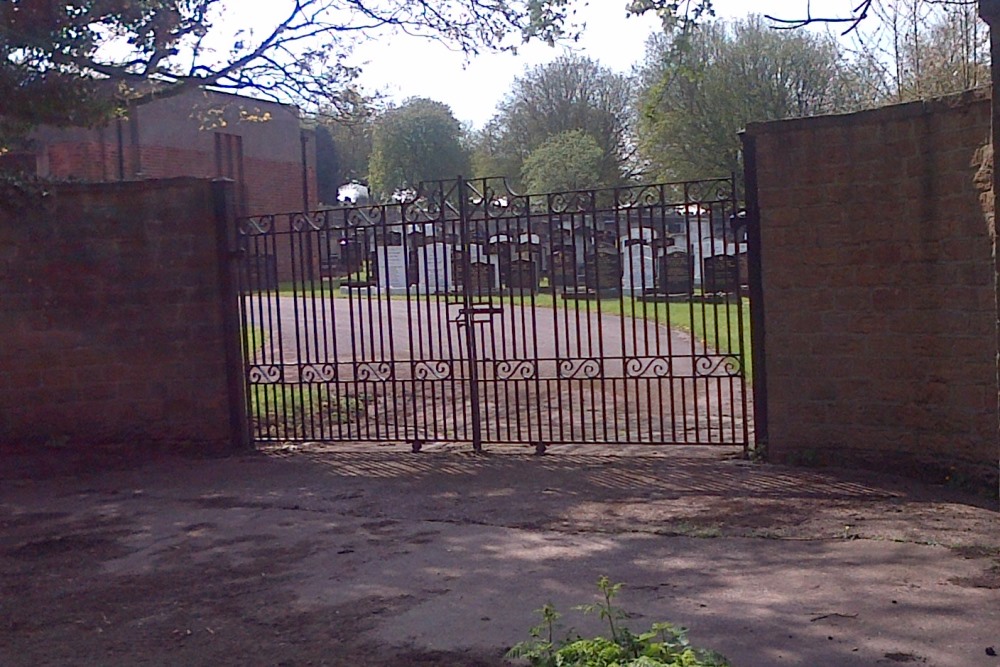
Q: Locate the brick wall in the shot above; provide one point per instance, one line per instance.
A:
(176, 136)
(878, 287)
(112, 322)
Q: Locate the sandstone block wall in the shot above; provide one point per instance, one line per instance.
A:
(878, 284)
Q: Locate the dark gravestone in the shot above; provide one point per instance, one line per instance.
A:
(481, 277)
(504, 251)
(744, 264)
(564, 267)
(522, 274)
(676, 273)
(481, 274)
(721, 274)
(604, 268)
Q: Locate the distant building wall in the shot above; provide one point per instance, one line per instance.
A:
(201, 134)
(878, 286)
(113, 330)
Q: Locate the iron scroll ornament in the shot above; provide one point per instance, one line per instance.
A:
(516, 370)
(571, 202)
(580, 369)
(318, 373)
(361, 217)
(314, 221)
(648, 195)
(432, 370)
(654, 367)
(262, 225)
(724, 366)
(266, 374)
(373, 371)
(708, 192)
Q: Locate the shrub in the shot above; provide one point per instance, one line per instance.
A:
(664, 645)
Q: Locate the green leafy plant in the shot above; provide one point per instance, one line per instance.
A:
(292, 411)
(664, 645)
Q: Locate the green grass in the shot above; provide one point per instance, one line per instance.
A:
(282, 411)
(254, 338)
(715, 324)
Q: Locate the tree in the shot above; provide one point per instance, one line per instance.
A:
(916, 49)
(568, 161)
(570, 93)
(418, 141)
(80, 61)
(694, 101)
(857, 13)
(343, 147)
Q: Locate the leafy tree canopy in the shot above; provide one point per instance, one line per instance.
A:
(568, 161)
(570, 93)
(418, 141)
(694, 102)
(76, 61)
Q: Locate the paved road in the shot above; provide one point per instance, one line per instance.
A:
(565, 373)
(391, 558)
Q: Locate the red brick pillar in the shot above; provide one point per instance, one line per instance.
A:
(989, 11)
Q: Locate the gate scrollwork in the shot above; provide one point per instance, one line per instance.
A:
(516, 370)
(580, 369)
(655, 367)
(373, 371)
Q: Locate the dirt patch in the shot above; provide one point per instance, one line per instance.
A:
(382, 558)
(189, 611)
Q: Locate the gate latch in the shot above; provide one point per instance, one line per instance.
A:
(477, 314)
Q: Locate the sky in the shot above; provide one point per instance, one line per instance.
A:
(414, 67)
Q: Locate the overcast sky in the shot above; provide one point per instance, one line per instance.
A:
(411, 66)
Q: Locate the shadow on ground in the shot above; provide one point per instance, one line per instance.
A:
(312, 557)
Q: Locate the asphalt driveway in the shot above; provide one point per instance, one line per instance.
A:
(309, 557)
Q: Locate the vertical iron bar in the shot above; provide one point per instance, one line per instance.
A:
(233, 313)
(470, 327)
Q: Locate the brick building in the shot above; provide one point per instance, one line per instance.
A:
(204, 134)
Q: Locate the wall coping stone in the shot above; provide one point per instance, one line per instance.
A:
(905, 110)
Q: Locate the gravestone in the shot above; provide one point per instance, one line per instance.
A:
(676, 273)
(603, 269)
(502, 247)
(744, 264)
(523, 274)
(484, 270)
(721, 274)
(482, 278)
(639, 276)
(393, 258)
(563, 272)
(434, 268)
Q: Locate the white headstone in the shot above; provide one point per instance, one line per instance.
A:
(640, 269)
(434, 268)
(393, 279)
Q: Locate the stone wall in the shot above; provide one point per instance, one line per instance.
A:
(878, 284)
(113, 327)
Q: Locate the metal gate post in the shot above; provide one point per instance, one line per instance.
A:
(469, 314)
(223, 196)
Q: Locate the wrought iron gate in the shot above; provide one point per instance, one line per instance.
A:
(470, 313)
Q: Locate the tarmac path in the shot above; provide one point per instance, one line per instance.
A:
(545, 374)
